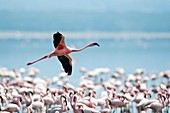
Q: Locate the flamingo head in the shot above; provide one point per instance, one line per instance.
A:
(95, 44)
(30, 63)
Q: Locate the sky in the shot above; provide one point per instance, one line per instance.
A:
(86, 5)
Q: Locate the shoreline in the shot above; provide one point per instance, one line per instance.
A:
(84, 35)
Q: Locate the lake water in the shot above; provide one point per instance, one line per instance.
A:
(151, 54)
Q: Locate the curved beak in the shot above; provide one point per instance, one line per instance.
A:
(96, 44)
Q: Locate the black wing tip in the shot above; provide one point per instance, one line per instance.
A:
(69, 71)
(66, 64)
(57, 34)
(56, 39)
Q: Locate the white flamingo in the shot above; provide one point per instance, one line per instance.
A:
(89, 100)
(81, 108)
(37, 104)
(60, 108)
(13, 107)
(157, 106)
(107, 108)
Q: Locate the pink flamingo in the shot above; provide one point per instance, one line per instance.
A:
(13, 107)
(28, 101)
(37, 104)
(48, 98)
(107, 108)
(62, 107)
(144, 102)
(80, 107)
(89, 100)
(157, 106)
(62, 52)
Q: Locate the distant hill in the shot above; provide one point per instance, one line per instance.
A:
(83, 21)
(89, 15)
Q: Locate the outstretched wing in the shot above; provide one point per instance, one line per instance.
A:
(65, 60)
(66, 63)
(57, 39)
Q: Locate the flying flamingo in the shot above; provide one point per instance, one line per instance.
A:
(62, 52)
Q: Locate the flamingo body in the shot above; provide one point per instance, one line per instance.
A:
(155, 106)
(37, 105)
(12, 108)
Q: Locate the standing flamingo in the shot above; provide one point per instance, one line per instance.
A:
(80, 107)
(158, 105)
(60, 108)
(13, 107)
(62, 52)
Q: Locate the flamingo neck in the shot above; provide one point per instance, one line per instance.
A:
(19, 103)
(162, 100)
(77, 50)
(74, 102)
(62, 101)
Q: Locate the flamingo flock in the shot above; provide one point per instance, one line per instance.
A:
(101, 90)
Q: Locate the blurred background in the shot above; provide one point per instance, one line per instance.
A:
(132, 33)
(86, 16)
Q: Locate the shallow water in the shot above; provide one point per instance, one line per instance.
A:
(151, 54)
